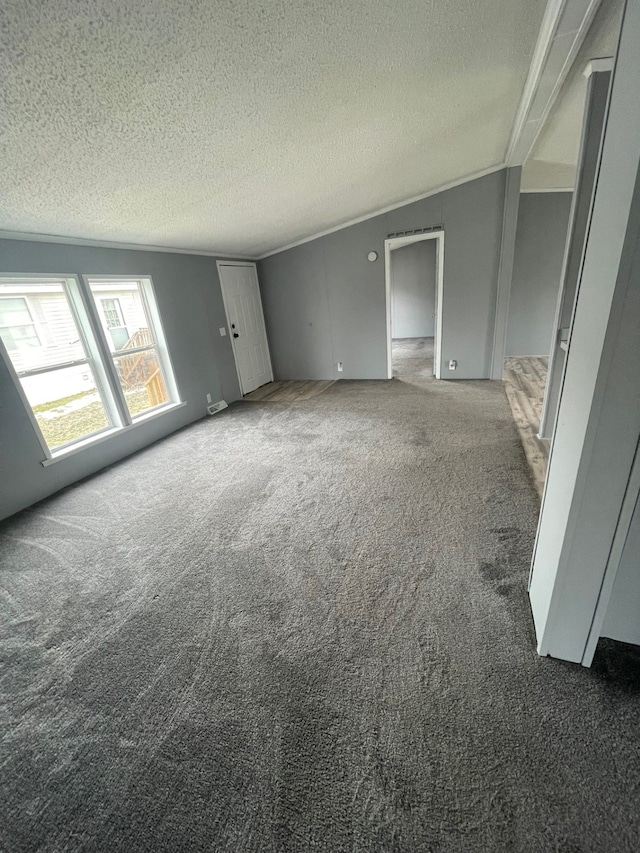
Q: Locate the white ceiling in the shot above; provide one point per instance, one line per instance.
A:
(240, 125)
(552, 163)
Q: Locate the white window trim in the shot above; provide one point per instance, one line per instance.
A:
(86, 316)
(151, 309)
(72, 294)
(109, 432)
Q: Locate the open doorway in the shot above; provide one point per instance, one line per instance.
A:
(544, 283)
(414, 270)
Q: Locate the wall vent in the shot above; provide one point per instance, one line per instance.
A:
(415, 231)
(217, 407)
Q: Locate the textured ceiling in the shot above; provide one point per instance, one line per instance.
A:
(242, 126)
(553, 160)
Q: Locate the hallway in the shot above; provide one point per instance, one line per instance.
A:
(412, 359)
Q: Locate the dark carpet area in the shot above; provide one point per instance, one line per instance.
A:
(304, 627)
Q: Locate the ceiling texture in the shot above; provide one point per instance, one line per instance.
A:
(553, 160)
(241, 126)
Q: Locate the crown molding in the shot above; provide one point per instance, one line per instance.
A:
(110, 244)
(441, 189)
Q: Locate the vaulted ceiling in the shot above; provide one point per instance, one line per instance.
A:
(242, 126)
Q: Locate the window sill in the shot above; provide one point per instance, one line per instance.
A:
(79, 446)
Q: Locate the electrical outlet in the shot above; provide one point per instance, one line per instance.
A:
(453, 364)
(339, 367)
(208, 398)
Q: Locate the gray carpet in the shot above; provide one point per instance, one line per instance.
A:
(412, 359)
(304, 627)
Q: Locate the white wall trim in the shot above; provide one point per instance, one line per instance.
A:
(596, 430)
(563, 30)
(397, 243)
(548, 190)
(111, 244)
(591, 135)
(441, 189)
(536, 69)
(603, 63)
(141, 247)
(98, 438)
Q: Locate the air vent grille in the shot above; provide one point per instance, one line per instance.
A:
(216, 407)
(416, 231)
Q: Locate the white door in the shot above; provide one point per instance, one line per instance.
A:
(243, 306)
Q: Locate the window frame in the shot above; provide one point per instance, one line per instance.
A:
(150, 304)
(98, 358)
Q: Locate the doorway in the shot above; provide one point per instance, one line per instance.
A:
(414, 274)
(245, 320)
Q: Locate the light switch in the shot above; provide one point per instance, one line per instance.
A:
(223, 332)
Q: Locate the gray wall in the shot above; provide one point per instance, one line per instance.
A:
(622, 620)
(190, 301)
(543, 220)
(325, 302)
(413, 290)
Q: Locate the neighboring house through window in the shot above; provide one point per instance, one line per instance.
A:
(17, 328)
(114, 321)
(77, 377)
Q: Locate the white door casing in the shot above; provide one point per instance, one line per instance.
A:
(397, 243)
(245, 320)
(595, 435)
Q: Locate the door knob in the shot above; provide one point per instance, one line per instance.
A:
(236, 335)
